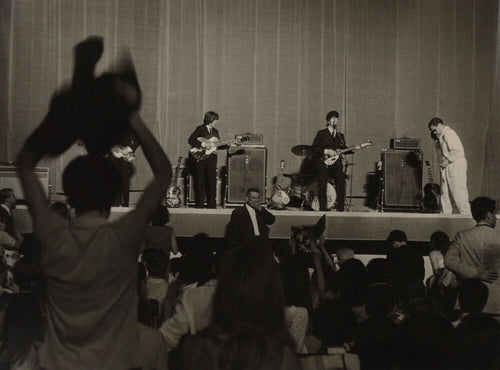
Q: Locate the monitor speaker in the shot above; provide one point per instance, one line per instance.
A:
(402, 179)
(246, 168)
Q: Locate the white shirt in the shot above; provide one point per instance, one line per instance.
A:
(6, 208)
(253, 217)
(451, 145)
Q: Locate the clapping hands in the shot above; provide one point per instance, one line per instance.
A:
(93, 110)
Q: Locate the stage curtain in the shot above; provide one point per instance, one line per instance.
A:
(273, 67)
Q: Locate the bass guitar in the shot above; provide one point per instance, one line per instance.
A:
(330, 159)
(173, 199)
(432, 192)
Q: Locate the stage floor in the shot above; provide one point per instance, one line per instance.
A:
(353, 225)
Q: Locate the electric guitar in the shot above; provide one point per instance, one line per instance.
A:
(209, 146)
(329, 160)
(431, 193)
(173, 198)
(279, 198)
(123, 152)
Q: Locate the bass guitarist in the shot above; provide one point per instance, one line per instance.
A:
(325, 145)
(204, 169)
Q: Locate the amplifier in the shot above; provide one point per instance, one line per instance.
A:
(250, 139)
(405, 143)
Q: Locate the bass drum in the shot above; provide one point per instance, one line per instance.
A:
(312, 197)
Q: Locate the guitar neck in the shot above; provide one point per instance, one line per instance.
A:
(430, 177)
(222, 143)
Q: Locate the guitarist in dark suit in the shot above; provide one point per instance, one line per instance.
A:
(249, 222)
(326, 142)
(204, 171)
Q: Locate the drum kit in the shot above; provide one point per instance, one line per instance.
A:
(304, 189)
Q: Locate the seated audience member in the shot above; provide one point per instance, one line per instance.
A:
(152, 344)
(156, 261)
(475, 252)
(353, 286)
(7, 220)
(334, 324)
(477, 346)
(188, 306)
(61, 209)
(439, 242)
(196, 264)
(23, 331)
(31, 247)
(376, 336)
(442, 285)
(5, 296)
(248, 329)
(6, 241)
(344, 254)
(27, 275)
(307, 242)
(90, 264)
(160, 235)
(425, 341)
(472, 298)
(406, 264)
(378, 271)
(148, 310)
(298, 302)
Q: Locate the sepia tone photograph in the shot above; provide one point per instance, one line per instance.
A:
(249, 184)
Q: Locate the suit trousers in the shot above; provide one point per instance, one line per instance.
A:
(336, 172)
(205, 182)
(454, 181)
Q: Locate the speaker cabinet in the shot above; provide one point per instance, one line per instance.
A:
(402, 179)
(246, 168)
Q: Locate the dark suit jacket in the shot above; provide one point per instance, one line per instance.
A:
(202, 131)
(7, 219)
(240, 228)
(325, 140)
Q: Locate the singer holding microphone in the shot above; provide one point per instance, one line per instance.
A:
(326, 144)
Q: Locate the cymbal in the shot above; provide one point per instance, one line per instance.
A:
(302, 150)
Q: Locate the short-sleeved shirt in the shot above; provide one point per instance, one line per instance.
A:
(90, 268)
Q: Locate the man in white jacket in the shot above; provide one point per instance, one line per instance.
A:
(453, 168)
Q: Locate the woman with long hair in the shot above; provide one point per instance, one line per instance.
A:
(248, 321)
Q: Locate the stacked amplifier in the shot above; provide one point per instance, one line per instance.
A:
(246, 168)
(402, 175)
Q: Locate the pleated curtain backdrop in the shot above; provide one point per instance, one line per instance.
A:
(273, 67)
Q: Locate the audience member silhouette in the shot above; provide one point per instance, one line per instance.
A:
(407, 268)
(248, 329)
(90, 264)
(297, 291)
(160, 235)
(475, 252)
(334, 324)
(22, 332)
(477, 343)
